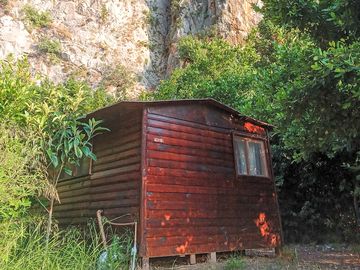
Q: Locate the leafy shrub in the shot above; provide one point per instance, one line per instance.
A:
(22, 94)
(36, 18)
(20, 176)
(41, 111)
(213, 68)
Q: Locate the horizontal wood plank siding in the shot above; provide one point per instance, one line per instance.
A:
(114, 183)
(194, 201)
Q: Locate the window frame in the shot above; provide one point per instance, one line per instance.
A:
(264, 158)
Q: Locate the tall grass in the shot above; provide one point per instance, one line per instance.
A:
(235, 262)
(22, 246)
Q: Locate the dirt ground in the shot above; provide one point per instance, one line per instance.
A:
(308, 257)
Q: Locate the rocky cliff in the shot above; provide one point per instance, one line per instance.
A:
(136, 38)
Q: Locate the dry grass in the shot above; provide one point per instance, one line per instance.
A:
(62, 31)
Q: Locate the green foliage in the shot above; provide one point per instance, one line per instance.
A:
(290, 87)
(22, 246)
(278, 76)
(270, 79)
(214, 68)
(355, 248)
(49, 46)
(42, 127)
(47, 117)
(312, 200)
(16, 87)
(118, 253)
(324, 20)
(69, 144)
(36, 18)
(235, 262)
(20, 177)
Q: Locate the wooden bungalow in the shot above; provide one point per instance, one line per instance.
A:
(195, 174)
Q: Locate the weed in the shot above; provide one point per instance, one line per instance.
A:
(143, 43)
(118, 252)
(66, 250)
(36, 18)
(104, 13)
(5, 6)
(22, 246)
(149, 18)
(50, 46)
(63, 31)
(4, 3)
(289, 253)
(120, 80)
(235, 262)
(355, 248)
(175, 7)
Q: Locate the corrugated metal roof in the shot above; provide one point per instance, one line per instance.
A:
(208, 101)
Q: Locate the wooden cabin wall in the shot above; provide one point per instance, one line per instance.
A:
(194, 201)
(114, 182)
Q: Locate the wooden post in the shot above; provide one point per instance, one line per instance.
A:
(278, 250)
(212, 257)
(145, 263)
(192, 258)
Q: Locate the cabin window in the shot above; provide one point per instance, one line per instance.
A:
(250, 156)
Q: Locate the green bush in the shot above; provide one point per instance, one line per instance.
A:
(35, 113)
(20, 176)
(50, 46)
(36, 18)
(235, 262)
(214, 68)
